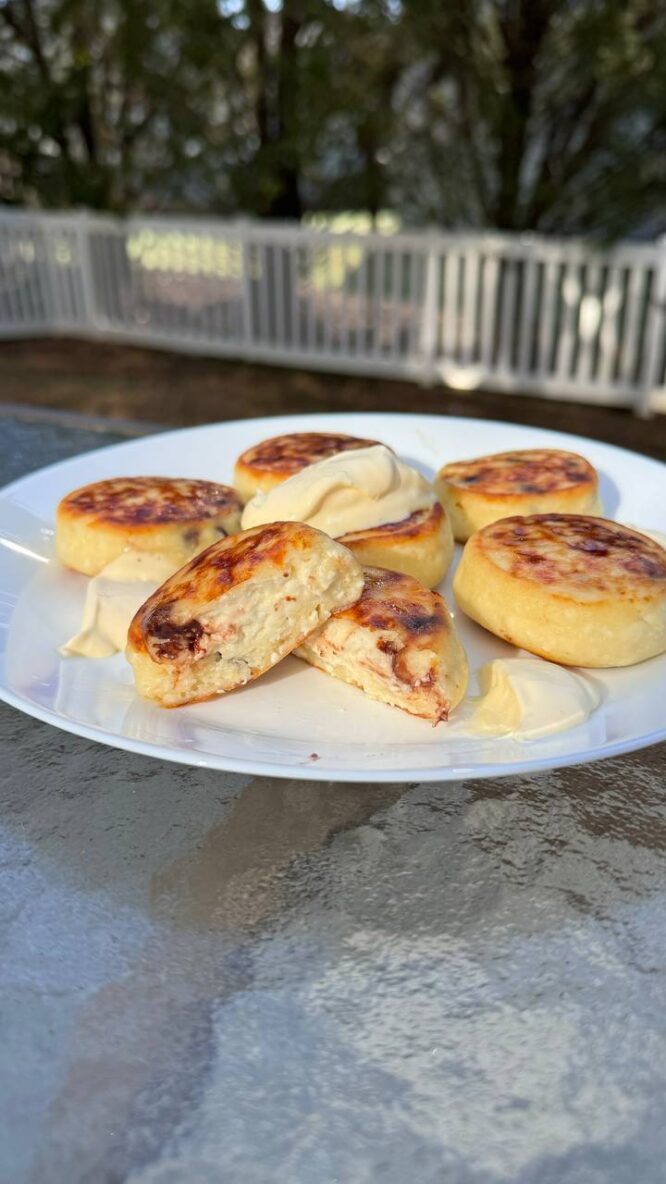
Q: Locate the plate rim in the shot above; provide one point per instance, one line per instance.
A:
(137, 441)
(309, 770)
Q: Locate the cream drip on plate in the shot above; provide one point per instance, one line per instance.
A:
(351, 491)
(112, 598)
(527, 698)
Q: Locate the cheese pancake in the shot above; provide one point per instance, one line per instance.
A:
(420, 546)
(397, 643)
(172, 516)
(531, 481)
(275, 460)
(236, 609)
(576, 590)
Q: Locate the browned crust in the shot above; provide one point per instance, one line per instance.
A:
(282, 456)
(416, 618)
(156, 628)
(149, 501)
(528, 471)
(420, 524)
(591, 552)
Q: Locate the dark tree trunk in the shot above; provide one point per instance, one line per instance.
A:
(287, 201)
(523, 35)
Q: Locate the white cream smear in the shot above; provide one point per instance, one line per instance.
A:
(526, 698)
(351, 491)
(112, 598)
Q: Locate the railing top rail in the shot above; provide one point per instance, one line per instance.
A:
(505, 244)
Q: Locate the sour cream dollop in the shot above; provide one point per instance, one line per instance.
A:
(350, 491)
(527, 698)
(112, 598)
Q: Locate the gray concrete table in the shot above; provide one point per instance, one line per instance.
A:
(212, 978)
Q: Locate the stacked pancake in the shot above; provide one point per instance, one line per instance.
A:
(543, 571)
(382, 509)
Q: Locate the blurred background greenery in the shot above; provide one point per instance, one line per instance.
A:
(544, 115)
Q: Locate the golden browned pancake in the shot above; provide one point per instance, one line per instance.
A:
(236, 609)
(420, 546)
(397, 643)
(531, 481)
(173, 516)
(577, 590)
(275, 460)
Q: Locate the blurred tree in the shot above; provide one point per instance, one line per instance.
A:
(358, 123)
(537, 114)
(101, 104)
(520, 114)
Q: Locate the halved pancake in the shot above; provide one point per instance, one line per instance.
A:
(271, 461)
(236, 609)
(397, 643)
(531, 481)
(577, 590)
(172, 516)
(420, 546)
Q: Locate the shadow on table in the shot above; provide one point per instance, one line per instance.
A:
(237, 877)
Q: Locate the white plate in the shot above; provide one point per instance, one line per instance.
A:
(295, 721)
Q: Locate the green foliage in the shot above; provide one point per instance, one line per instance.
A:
(518, 114)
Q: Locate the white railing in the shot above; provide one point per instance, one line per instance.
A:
(519, 313)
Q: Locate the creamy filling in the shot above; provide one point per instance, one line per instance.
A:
(112, 598)
(527, 698)
(252, 622)
(351, 491)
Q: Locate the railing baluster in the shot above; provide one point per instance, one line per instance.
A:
(632, 325)
(547, 317)
(311, 297)
(347, 300)
(396, 302)
(489, 274)
(361, 335)
(278, 290)
(449, 333)
(588, 324)
(468, 336)
(327, 303)
(653, 344)
(9, 281)
(262, 280)
(571, 297)
(608, 338)
(15, 279)
(527, 315)
(378, 300)
(295, 280)
(507, 334)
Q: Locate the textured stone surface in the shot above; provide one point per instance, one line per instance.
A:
(31, 440)
(215, 979)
